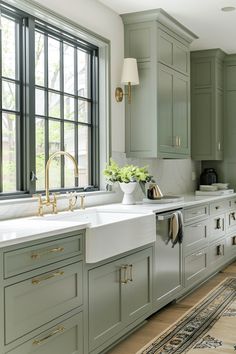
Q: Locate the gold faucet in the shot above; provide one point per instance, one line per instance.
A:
(48, 201)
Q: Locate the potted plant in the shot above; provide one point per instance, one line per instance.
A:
(128, 177)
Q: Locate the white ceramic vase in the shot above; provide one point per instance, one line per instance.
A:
(128, 189)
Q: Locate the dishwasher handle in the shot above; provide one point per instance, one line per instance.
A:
(166, 216)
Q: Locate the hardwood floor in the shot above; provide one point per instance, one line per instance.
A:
(165, 317)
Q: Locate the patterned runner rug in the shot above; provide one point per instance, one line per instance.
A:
(209, 327)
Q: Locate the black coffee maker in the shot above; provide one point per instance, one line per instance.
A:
(208, 176)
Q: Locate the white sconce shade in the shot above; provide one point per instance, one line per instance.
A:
(129, 77)
(130, 72)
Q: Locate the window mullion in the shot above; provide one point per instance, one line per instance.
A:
(46, 135)
(29, 104)
(62, 114)
(1, 145)
(76, 111)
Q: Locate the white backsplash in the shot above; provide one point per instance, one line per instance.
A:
(173, 176)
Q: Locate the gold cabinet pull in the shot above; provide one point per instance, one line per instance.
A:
(220, 250)
(218, 224)
(59, 329)
(130, 272)
(52, 250)
(124, 274)
(36, 281)
(234, 241)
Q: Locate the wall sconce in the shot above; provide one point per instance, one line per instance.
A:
(129, 77)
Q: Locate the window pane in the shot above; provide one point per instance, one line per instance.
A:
(10, 96)
(83, 155)
(54, 105)
(69, 81)
(83, 74)
(39, 59)
(40, 153)
(9, 152)
(9, 48)
(83, 112)
(69, 108)
(69, 138)
(55, 145)
(53, 63)
(39, 102)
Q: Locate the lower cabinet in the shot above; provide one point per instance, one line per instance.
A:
(195, 267)
(216, 254)
(119, 293)
(64, 338)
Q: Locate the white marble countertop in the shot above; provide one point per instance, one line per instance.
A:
(186, 201)
(15, 231)
(20, 230)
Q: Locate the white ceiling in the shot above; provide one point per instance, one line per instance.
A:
(215, 29)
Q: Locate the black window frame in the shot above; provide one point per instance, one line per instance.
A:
(26, 150)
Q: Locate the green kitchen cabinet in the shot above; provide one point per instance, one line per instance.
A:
(207, 85)
(174, 109)
(64, 338)
(158, 118)
(119, 294)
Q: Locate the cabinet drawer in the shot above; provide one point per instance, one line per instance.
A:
(195, 236)
(231, 246)
(33, 302)
(195, 213)
(29, 258)
(217, 227)
(217, 253)
(65, 338)
(218, 207)
(195, 266)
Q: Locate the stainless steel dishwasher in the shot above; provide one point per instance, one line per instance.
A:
(168, 262)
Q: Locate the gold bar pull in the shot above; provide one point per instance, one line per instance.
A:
(36, 281)
(59, 329)
(130, 272)
(53, 250)
(123, 272)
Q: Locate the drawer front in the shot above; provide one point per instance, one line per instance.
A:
(219, 207)
(195, 236)
(195, 213)
(217, 253)
(217, 227)
(29, 258)
(231, 246)
(33, 302)
(65, 338)
(195, 266)
(231, 219)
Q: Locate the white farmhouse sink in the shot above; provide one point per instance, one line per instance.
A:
(111, 233)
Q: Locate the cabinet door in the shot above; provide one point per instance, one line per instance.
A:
(181, 114)
(195, 267)
(174, 113)
(105, 315)
(136, 293)
(65, 338)
(165, 113)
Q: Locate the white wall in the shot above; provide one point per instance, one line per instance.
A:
(103, 21)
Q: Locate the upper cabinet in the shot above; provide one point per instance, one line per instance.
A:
(207, 85)
(158, 118)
